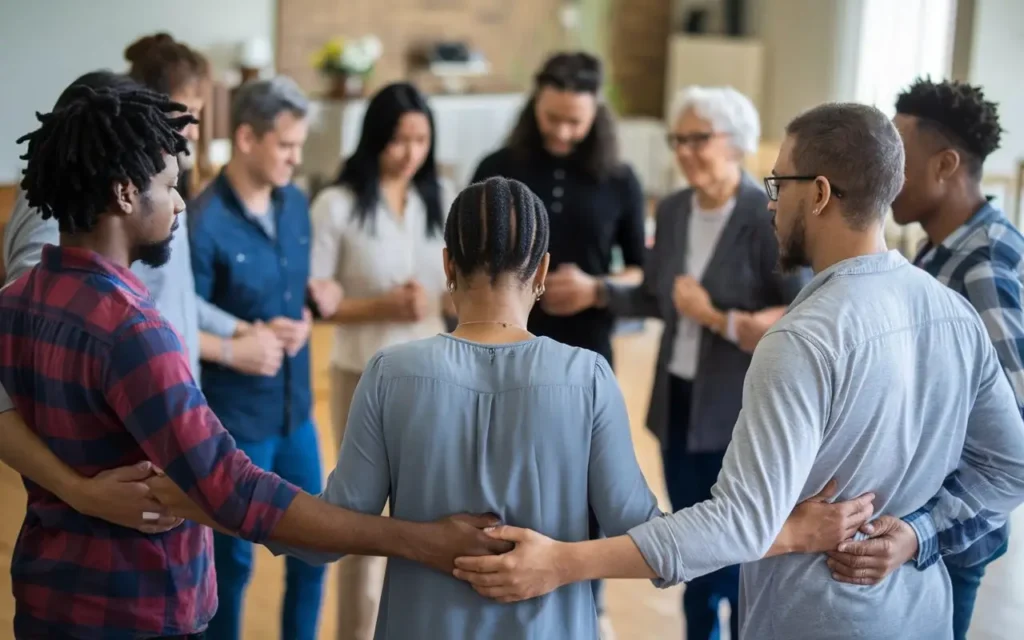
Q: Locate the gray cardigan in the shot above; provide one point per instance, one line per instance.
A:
(742, 274)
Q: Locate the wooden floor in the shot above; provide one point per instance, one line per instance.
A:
(638, 610)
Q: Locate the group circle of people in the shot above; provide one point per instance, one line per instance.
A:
(840, 427)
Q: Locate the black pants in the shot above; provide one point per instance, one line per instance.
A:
(689, 477)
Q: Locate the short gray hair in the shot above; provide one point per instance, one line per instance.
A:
(855, 146)
(257, 103)
(728, 110)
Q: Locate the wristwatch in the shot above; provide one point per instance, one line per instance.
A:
(601, 295)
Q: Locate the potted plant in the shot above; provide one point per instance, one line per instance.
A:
(347, 63)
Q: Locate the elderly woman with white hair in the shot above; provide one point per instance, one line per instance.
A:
(712, 277)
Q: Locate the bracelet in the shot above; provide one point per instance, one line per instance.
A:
(225, 351)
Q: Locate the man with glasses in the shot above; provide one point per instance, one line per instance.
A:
(948, 129)
(842, 387)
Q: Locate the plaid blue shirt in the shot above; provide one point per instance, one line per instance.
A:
(983, 260)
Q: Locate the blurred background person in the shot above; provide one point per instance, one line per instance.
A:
(379, 232)
(250, 236)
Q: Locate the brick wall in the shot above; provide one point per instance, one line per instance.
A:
(514, 35)
(639, 51)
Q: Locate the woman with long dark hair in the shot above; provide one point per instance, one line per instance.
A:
(378, 231)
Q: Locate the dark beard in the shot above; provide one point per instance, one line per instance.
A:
(157, 254)
(793, 254)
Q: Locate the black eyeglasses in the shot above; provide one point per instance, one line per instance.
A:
(771, 185)
(692, 140)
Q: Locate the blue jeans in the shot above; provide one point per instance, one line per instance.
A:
(296, 458)
(966, 581)
(689, 478)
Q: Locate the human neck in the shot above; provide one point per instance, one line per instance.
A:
(955, 209)
(492, 317)
(254, 195)
(104, 244)
(717, 194)
(395, 192)
(846, 243)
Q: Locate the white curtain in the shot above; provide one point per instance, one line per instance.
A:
(902, 40)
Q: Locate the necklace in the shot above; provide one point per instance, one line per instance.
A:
(505, 325)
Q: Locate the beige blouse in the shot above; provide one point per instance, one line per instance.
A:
(368, 260)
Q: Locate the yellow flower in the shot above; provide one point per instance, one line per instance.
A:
(328, 53)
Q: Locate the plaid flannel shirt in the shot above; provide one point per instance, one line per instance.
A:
(983, 260)
(102, 378)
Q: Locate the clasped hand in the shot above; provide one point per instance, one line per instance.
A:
(691, 299)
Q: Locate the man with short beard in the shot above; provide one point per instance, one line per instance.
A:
(948, 129)
(96, 370)
(843, 386)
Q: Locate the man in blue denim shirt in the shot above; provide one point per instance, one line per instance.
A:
(250, 234)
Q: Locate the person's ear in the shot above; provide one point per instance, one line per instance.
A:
(245, 138)
(947, 162)
(542, 271)
(822, 194)
(449, 266)
(125, 197)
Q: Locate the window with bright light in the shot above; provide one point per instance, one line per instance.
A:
(902, 40)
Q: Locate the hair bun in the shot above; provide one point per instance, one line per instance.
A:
(144, 46)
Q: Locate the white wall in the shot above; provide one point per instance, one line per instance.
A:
(810, 52)
(811, 49)
(997, 46)
(45, 44)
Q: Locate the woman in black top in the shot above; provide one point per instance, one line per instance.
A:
(564, 149)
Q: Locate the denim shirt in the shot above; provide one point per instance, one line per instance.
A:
(241, 269)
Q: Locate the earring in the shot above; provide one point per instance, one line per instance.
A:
(539, 291)
(451, 286)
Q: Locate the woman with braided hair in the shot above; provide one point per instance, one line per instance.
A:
(489, 419)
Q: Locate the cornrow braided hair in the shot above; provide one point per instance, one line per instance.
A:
(497, 226)
(98, 138)
(959, 112)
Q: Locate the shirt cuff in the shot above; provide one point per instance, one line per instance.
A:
(730, 327)
(215, 320)
(271, 497)
(657, 545)
(927, 538)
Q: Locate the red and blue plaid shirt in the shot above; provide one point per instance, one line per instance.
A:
(103, 379)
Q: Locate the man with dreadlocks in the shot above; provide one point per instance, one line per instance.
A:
(948, 129)
(100, 375)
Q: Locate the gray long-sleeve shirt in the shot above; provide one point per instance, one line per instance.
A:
(880, 377)
(171, 286)
(532, 431)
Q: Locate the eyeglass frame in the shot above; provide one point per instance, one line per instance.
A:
(692, 140)
(769, 187)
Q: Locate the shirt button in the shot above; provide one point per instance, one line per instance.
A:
(287, 295)
(284, 262)
(557, 192)
(556, 207)
(559, 174)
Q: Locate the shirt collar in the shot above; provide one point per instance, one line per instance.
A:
(984, 216)
(230, 196)
(872, 263)
(56, 258)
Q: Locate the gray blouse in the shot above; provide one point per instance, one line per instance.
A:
(531, 431)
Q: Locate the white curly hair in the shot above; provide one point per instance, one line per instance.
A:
(728, 110)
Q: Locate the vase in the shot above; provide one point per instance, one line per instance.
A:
(345, 86)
